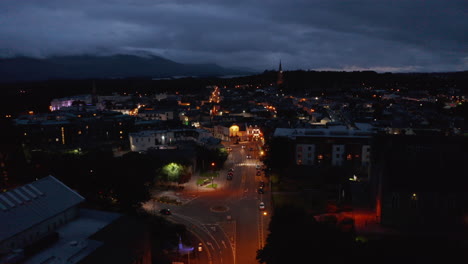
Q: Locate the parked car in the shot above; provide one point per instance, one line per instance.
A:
(262, 184)
(165, 211)
(249, 156)
(229, 177)
(259, 173)
(260, 191)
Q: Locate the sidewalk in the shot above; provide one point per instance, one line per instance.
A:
(189, 192)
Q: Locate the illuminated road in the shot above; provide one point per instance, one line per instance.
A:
(227, 220)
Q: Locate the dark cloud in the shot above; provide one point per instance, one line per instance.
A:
(414, 35)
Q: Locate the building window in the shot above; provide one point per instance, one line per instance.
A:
(320, 157)
(349, 157)
(309, 148)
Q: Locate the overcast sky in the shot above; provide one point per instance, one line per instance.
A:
(381, 35)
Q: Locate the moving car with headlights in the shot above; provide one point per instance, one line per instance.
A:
(261, 206)
(262, 184)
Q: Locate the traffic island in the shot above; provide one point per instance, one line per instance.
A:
(219, 209)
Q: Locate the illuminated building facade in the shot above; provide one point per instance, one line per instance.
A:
(254, 133)
(333, 146)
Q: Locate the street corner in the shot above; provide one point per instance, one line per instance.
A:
(169, 197)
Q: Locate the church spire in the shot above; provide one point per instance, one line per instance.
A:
(279, 81)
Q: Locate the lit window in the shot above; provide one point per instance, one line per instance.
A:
(79, 132)
(349, 157)
(320, 157)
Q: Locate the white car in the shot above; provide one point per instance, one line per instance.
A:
(261, 206)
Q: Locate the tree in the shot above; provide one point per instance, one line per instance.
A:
(172, 171)
(296, 237)
(133, 175)
(206, 156)
(278, 149)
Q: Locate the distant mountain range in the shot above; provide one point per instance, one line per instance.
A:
(105, 67)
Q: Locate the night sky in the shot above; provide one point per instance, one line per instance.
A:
(380, 35)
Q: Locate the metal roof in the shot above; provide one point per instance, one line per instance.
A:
(23, 207)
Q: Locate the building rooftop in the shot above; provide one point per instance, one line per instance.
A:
(74, 243)
(29, 205)
(363, 131)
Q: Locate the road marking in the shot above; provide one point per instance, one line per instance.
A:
(209, 244)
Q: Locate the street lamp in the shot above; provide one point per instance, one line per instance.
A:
(212, 177)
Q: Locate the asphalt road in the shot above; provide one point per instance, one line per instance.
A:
(227, 220)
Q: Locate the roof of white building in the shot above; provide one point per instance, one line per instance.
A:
(364, 131)
(23, 207)
(150, 133)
